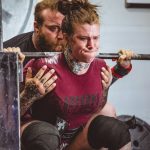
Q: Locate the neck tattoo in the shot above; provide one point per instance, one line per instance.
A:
(74, 65)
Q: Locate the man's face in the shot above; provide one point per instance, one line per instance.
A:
(85, 42)
(50, 37)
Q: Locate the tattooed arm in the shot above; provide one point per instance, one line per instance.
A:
(104, 97)
(36, 87)
(106, 81)
(28, 96)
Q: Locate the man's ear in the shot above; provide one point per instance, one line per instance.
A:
(36, 27)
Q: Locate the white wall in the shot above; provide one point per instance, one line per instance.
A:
(17, 17)
(128, 29)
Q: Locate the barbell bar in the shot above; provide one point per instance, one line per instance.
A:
(100, 55)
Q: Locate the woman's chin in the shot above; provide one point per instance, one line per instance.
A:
(88, 60)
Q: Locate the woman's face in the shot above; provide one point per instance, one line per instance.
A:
(85, 42)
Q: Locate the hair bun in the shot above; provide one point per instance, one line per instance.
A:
(66, 6)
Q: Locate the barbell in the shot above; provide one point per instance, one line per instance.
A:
(100, 55)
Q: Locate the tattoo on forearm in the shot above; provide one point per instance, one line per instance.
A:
(25, 105)
(104, 96)
(28, 96)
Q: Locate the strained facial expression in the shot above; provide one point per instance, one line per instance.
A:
(85, 42)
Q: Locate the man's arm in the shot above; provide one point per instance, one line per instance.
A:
(36, 87)
(15, 50)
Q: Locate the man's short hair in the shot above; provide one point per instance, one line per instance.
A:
(44, 4)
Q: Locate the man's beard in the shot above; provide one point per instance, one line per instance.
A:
(45, 46)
